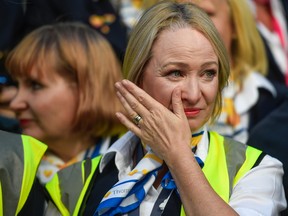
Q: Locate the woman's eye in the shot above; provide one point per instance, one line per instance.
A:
(210, 73)
(175, 73)
(210, 14)
(35, 85)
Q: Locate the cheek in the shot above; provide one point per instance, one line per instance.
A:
(163, 96)
(159, 91)
(210, 93)
(58, 105)
(222, 25)
(41, 105)
(213, 96)
(226, 34)
(63, 113)
(222, 31)
(70, 101)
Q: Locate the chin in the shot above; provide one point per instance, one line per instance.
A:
(32, 133)
(195, 126)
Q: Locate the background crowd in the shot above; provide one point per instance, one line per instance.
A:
(255, 101)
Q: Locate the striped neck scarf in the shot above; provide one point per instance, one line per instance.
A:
(128, 193)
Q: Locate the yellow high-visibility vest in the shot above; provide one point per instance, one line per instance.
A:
(223, 153)
(20, 157)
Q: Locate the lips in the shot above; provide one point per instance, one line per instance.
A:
(24, 122)
(191, 112)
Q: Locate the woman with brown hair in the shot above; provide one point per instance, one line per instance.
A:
(66, 99)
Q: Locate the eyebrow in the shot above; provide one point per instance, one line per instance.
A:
(206, 64)
(181, 64)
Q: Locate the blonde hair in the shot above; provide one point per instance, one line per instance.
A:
(166, 15)
(248, 51)
(81, 56)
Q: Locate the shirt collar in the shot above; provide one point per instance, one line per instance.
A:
(249, 94)
(123, 150)
(124, 147)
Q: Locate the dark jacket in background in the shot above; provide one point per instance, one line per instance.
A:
(274, 73)
(19, 17)
(271, 136)
(98, 14)
(11, 27)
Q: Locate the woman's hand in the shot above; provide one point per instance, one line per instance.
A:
(163, 130)
(168, 134)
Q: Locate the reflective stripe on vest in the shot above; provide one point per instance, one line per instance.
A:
(20, 157)
(68, 189)
(226, 163)
(1, 203)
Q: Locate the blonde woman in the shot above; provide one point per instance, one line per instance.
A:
(249, 96)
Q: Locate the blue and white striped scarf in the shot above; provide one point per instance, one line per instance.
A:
(128, 193)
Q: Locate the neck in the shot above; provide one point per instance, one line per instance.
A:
(69, 148)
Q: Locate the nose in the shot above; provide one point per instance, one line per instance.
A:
(191, 91)
(19, 102)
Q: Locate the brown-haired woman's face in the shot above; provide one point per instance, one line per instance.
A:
(45, 105)
(185, 59)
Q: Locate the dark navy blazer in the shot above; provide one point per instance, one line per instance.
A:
(271, 136)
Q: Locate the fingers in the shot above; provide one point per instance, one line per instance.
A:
(142, 109)
(137, 119)
(129, 110)
(134, 109)
(134, 112)
(139, 96)
(129, 124)
(137, 102)
(177, 103)
(152, 122)
(133, 99)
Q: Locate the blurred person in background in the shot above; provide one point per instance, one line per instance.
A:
(256, 111)
(99, 15)
(11, 28)
(272, 23)
(269, 135)
(20, 17)
(65, 98)
(249, 96)
(8, 90)
(131, 10)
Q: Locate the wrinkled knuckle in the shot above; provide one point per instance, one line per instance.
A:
(154, 113)
(134, 105)
(132, 115)
(129, 128)
(140, 98)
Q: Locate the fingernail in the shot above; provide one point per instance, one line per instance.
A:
(125, 81)
(117, 84)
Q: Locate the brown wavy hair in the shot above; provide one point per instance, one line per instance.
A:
(82, 56)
